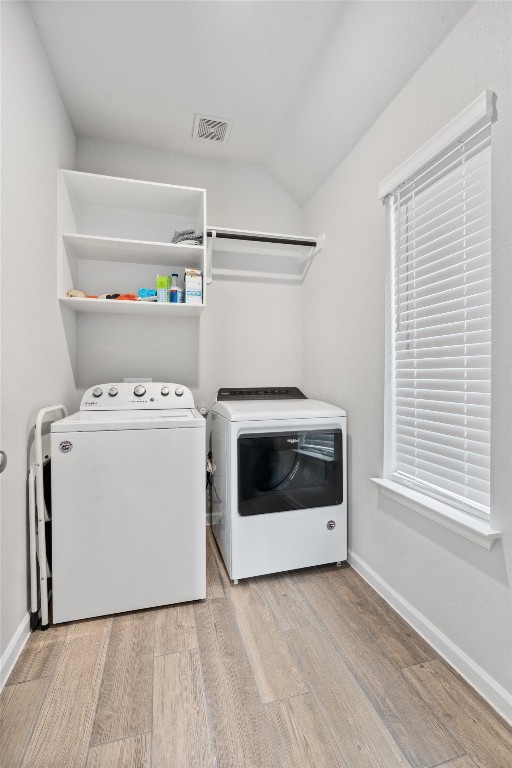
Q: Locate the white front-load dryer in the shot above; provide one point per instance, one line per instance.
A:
(128, 506)
(279, 497)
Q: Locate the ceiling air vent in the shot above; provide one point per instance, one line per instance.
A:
(212, 129)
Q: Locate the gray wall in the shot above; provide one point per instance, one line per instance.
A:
(463, 590)
(37, 138)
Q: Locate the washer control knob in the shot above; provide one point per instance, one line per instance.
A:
(139, 390)
(164, 391)
(179, 391)
(97, 392)
(113, 391)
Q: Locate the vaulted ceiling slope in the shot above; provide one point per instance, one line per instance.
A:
(370, 55)
(300, 80)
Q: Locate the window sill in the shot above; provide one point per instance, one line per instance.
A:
(471, 528)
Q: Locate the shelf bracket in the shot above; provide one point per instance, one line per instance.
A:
(209, 256)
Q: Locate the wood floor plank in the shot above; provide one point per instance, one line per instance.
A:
(19, 705)
(239, 721)
(40, 655)
(134, 752)
(225, 581)
(486, 737)
(175, 629)
(423, 738)
(403, 645)
(398, 641)
(181, 736)
(460, 762)
(274, 669)
(63, 727)
(290, 609)
(214, 585)
(125, 698)
(303, 737)
(362, 737)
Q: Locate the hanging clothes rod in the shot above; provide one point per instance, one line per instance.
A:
(261, 237)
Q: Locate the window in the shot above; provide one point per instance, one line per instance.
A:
(441, 346)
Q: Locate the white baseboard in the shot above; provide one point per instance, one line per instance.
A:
(493, 692)
(13, 650)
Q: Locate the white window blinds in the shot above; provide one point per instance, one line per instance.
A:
(442, 333)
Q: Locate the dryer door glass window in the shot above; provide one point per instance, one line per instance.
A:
(283, 471)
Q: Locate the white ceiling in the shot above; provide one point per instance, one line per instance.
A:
(137, 72)
(300, 80)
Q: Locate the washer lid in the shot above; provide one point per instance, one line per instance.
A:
(268, 410)
(98, 421)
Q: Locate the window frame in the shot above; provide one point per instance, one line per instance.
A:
(474, 527)
(395, 474)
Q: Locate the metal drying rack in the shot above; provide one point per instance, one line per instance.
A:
(39, 516)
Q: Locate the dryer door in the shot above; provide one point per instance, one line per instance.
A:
(282, 471)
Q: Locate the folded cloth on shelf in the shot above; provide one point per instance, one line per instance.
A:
(180, 233)
(189, 235)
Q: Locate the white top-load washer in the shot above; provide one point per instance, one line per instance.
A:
(128, 505)
(279, 496)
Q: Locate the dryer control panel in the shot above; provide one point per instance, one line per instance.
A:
(260, 393)
(148, 395)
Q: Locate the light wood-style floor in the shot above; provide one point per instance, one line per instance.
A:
(309, 668)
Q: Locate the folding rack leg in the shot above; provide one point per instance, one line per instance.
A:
(41, 546)
(34, 611)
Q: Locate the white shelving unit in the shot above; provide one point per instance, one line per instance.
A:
(115, 236)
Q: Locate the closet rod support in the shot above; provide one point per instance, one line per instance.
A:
(212, 234)
(314, 250)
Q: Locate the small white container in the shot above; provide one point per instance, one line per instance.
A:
(177, 294)
(193, 286)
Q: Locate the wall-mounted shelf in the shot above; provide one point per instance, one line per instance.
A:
(145, 308)
(134, 251)
(115, 236)
(274, 253)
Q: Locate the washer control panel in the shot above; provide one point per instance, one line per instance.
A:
(122, 396)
